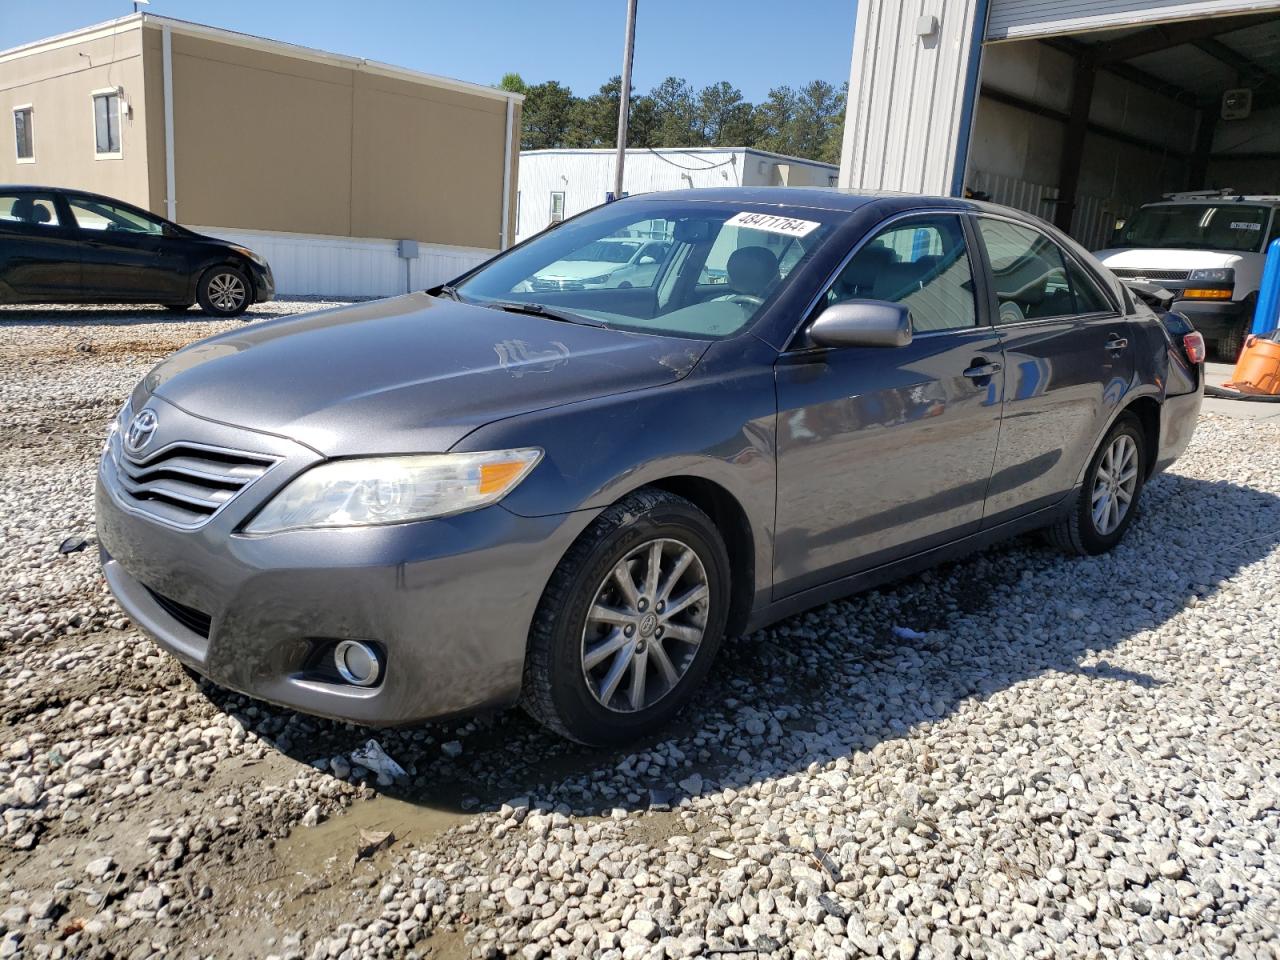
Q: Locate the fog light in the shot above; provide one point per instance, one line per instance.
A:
(357, 663)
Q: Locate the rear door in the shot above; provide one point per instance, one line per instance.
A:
(39, 255)
(126, 253)
(884, 452)
(1069, 354)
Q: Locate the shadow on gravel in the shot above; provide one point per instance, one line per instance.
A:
(838, 679)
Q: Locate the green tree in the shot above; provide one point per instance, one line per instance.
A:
(724, 118)
(818, 112)
(548, 116)
(595, 118)
(513, 83)
(677, 114)
(773, 120)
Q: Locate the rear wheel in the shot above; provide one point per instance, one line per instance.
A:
(1107, 501)
(223, 291)
(630, 622)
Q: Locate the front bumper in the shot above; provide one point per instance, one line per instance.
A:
(449, 601)
(264, 283)
(1214, 319)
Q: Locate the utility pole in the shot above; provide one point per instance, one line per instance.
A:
(624, 105)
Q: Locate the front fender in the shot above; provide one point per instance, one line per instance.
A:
(717, 424)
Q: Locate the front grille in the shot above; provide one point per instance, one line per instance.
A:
(1128, 274)
(185, 484)
(191, 618)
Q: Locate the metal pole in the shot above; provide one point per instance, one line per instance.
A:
(624, 104)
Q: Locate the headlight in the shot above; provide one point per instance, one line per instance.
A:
(378, 490)
(1216, 275)
(600, 279)
(248, 254)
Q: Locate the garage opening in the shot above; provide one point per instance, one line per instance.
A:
(1083, 127)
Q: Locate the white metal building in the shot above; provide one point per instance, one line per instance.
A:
(555, 184)
(1074, 111)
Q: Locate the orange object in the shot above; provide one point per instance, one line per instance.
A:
(1258, 369)
(1200, 293)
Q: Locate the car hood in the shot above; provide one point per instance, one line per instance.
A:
(409, 374)
(1159, 258)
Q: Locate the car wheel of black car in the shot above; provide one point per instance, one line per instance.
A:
(1107, 501)
(223, 291)
(630, 622)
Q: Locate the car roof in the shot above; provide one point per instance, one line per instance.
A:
(1258, 199)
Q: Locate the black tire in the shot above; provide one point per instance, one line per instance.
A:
(1231, 343)
(1076, 532)
(555, 690)
(625, 285)
(224, 291)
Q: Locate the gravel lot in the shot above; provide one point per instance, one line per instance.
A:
(1056, 757)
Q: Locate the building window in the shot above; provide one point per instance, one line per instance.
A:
(106, 124)
(23, 134)
(557, 206)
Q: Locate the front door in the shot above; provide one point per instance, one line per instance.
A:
(39, 254)
(126, 254)
(884, 452)
(1069, 363)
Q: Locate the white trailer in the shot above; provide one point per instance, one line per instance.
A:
(556, 184)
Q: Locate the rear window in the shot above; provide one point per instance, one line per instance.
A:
(1234, 227)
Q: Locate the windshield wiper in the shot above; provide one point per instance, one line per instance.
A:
(446, 290)
(538, 310)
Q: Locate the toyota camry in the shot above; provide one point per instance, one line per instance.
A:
(495, 492)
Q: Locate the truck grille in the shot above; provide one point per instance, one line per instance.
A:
(185, 484)
(1128, 274)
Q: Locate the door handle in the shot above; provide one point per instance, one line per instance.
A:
(981, 370)
(1116, 343)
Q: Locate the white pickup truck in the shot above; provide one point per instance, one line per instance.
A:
(1208, 249)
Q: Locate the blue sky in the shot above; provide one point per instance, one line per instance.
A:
(753, 44)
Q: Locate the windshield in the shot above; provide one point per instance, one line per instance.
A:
(1237, 227)
(707, 269)
(605, 251)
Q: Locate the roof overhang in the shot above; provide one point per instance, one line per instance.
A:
(263, 44)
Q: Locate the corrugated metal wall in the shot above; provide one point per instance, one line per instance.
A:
(350, 267)
(1019, 19)
(905, 119)
(1091, 224)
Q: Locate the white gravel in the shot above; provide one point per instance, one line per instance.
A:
(1071, 758)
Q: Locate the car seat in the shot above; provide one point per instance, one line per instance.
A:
(752, 270)
(25, 209)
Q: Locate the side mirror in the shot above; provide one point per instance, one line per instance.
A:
(646, 260)
(862, 323)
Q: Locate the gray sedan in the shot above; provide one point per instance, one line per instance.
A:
(486, 494)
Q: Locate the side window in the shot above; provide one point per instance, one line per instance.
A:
(93, 214)
(27, 210)
(23, 134)
(1033, 278)
(1089, 298)
(922, 263)
(106, 124)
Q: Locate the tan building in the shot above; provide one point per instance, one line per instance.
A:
(321, 162)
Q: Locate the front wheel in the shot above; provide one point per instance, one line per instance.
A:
(630, 622)
(1108, 499)
(223, 291)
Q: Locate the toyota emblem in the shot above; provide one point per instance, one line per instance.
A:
(141, 429)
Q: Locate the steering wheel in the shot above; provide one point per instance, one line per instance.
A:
(743, 299)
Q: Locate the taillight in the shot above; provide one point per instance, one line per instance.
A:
(1193, 347)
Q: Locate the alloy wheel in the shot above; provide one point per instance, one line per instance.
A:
(1114, 483)
(645, 623)
(226, 291)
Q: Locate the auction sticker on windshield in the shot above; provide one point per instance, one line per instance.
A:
(770, 223)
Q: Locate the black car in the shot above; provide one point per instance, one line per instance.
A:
(69, 246)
